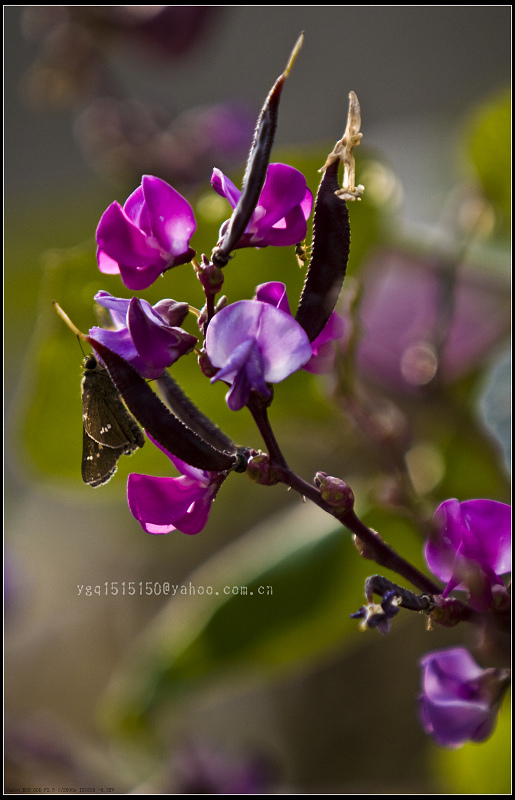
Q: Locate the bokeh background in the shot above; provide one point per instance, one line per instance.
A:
(148, 693)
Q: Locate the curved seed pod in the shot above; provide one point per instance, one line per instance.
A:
(257, 165)
(156, 419)
(187, 411)
(329, 255)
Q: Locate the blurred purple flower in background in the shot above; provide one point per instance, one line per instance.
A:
(204, 769)
(459, 700)
(162, 504)
(323, 358)
(148, 236)
(146, 336)
(129, 138)
(282, 210)
(254, 343)
(471, 547)
(413, 323)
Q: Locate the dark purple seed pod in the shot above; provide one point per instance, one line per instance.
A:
(257, 165)
(187, 411)
(156, 418)
(329, 256)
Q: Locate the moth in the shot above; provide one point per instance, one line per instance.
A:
(109, 430)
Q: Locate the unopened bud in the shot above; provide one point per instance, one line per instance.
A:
(335, 491)
(260, 470)
(447, 611)
(205, 365)
(210, 276)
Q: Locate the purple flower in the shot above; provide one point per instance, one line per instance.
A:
(146, 336)
(254, 343)
(323, 356)
(459, 701)
(149, 235)
(471, 547)
(162, 504)
(283, 207)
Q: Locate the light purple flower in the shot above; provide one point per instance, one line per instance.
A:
(471, 547)
(162, 504)
(323, 357)
(149, 235)
(254, 343)
(459, 701)
(283, 207)
(146, 336)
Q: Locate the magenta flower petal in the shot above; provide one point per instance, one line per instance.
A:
(143, 336)
(471, 548)
(171, 217)
(158, 344)
(274, 292)
(121, 342)
(162, 504)
(225, 187)
(283, 190)
(149, 235)
(282, 210)
(106, 264)
(124, 241)
(459, 700)
(324, 356)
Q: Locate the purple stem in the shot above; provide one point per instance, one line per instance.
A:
(382, 553)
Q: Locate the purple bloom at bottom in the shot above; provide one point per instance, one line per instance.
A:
(459, 700)
(162, 504)
(146, 336)
(471, 547)
(253, 344)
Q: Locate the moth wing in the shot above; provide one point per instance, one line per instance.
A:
(105, 418)
(98, 462)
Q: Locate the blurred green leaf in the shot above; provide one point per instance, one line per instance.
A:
(489, 148)
(301, 579)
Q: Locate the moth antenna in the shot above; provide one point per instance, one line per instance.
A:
(68, 321)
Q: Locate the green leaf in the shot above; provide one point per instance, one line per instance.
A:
(280, 595)
(489, 148)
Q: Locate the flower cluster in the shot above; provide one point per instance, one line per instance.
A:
(470, 551)
(252, 344)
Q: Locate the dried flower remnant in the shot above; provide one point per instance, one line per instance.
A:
(343, 151)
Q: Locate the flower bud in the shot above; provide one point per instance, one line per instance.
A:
(260, 470)
(210, 276)
(335, 491)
